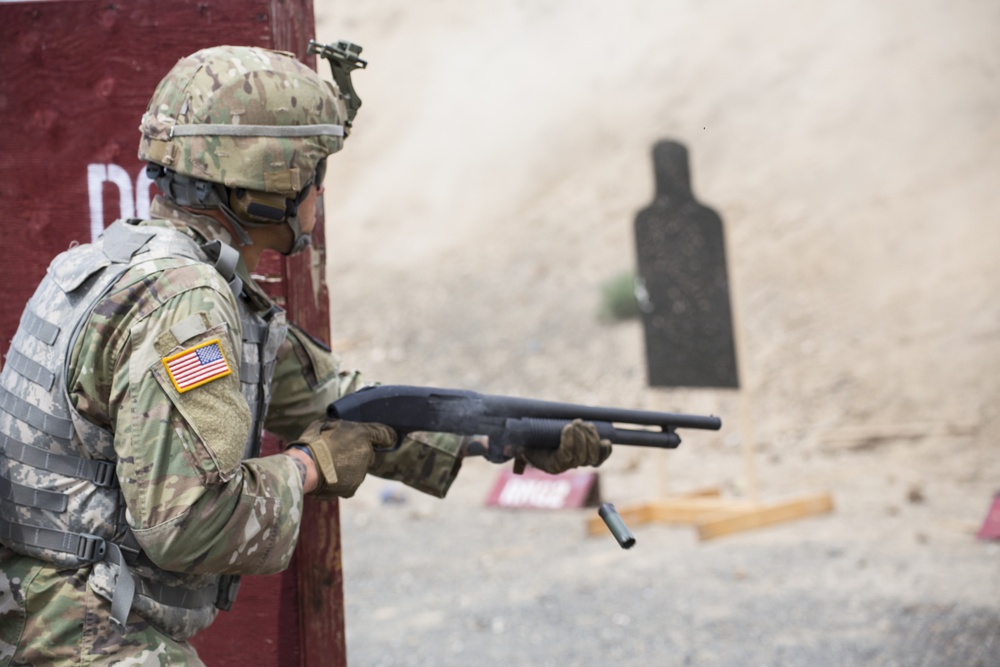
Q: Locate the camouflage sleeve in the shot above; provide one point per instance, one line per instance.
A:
(193, 504)
(308, 377)
(428, 462)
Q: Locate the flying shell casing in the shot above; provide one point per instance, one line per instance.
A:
(616, 525)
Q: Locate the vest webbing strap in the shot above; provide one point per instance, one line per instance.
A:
(250, 373)
(27, 496)
(29, 369)
(121, 241)
(124, 593)
(225, 258)
(86, 547)
(101, 473)
(48, 424)
(173, 596)
(41, 329)
(254, 333)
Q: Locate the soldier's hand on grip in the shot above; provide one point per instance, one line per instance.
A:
(579, 445)
(343, 452)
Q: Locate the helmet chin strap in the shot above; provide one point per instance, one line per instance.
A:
(300, 240)
(237, 224)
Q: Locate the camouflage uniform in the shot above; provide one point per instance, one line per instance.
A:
(197, 507)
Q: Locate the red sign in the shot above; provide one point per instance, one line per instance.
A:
(538, 490)
(991, 526)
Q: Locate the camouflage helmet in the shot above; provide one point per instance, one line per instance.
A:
(243, 117)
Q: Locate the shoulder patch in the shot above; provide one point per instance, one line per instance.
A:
(197, 365)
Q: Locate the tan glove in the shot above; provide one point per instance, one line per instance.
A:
(579, 445)
(343, 452)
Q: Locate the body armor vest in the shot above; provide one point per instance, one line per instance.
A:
(60, 500)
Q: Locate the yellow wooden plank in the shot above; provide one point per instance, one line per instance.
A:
(684, 509)
(691, 510)
(715, 516)
(701, 493)
(765, 515)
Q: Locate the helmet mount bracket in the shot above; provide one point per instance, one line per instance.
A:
(344, 57)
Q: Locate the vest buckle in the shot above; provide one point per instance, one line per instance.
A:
(229, 585)
(104, 474)
(91, 548)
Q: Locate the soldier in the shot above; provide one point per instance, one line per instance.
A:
(147, 365)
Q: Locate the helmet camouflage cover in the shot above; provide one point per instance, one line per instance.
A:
(245, 117)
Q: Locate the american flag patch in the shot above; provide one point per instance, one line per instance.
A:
(197, 365)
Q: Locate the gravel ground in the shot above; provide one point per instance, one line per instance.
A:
(455, 583)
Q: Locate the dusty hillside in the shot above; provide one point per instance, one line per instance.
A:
(503, 150)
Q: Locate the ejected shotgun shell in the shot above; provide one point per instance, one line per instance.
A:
(617, 526)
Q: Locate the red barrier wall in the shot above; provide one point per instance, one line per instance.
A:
(76, 77)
